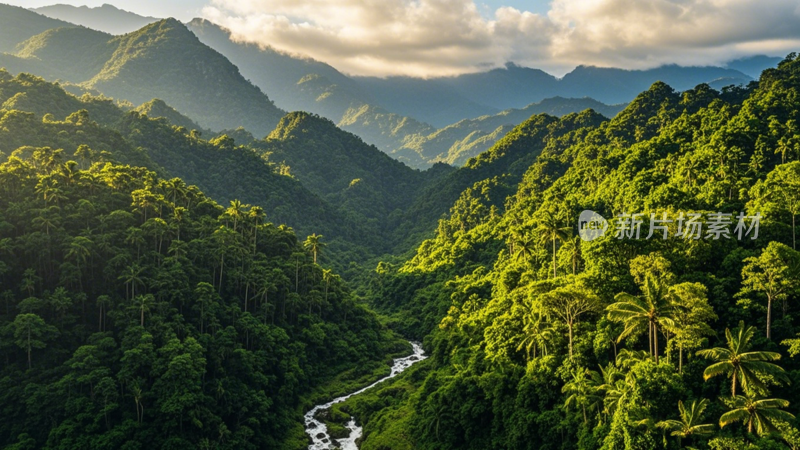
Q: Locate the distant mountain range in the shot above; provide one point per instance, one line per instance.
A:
(443, 101)
(753, 66)
(199, 71)
(106, 18)
(457, 143)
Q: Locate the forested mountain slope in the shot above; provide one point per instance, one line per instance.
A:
(158, 108)
(166, 60)
(342, 169)
(70, 54)
(388, 113)
(494, 174)
(18, 24)
(307, 173)
(138, 313)
(168, 269)
(277, 73)
(218, 166)
(540, 339)
(162, 60)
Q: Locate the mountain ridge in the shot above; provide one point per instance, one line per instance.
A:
(107, 18)
(164, 60)
(19, 24)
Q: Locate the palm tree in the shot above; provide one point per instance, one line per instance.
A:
(223, 238)
(144, 302)
(582, 390)
(550, 229)
(760, 412)
(327, 275)
(523, 249)
(257, 215)
(536, 333)
(135, 236)
(103, 302)
(605, 381)
(46, 219)
(177, 187)
(689, 424)
(690, 167)
(740, 364)
(79, 250)
(650, 310)
(29, 281)
(573, 249)
(178, 215)
(618, 393)
(438, 411)
(132, 277)
(314, 245)
(784, 146)
(236, 212)
(45, 187)
(629, 358)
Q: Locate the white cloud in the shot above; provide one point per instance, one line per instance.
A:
(643, 33)
(443, 37)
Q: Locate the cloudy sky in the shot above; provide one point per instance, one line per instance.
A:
(443, 37)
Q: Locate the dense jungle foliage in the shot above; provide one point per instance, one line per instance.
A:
(165, 286)
(542, 340)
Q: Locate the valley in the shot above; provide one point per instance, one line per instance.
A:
(209, 243)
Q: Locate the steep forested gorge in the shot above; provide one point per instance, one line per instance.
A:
(137, 311)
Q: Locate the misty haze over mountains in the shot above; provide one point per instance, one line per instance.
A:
(419, 121)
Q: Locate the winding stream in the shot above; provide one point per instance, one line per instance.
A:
(319, 431)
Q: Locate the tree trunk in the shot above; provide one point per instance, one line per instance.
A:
(554, 257)
(733, 384)
(29, 347)
(221, 267)
(680, 358)
(769, 315)
(570, 339)
(655, 341)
